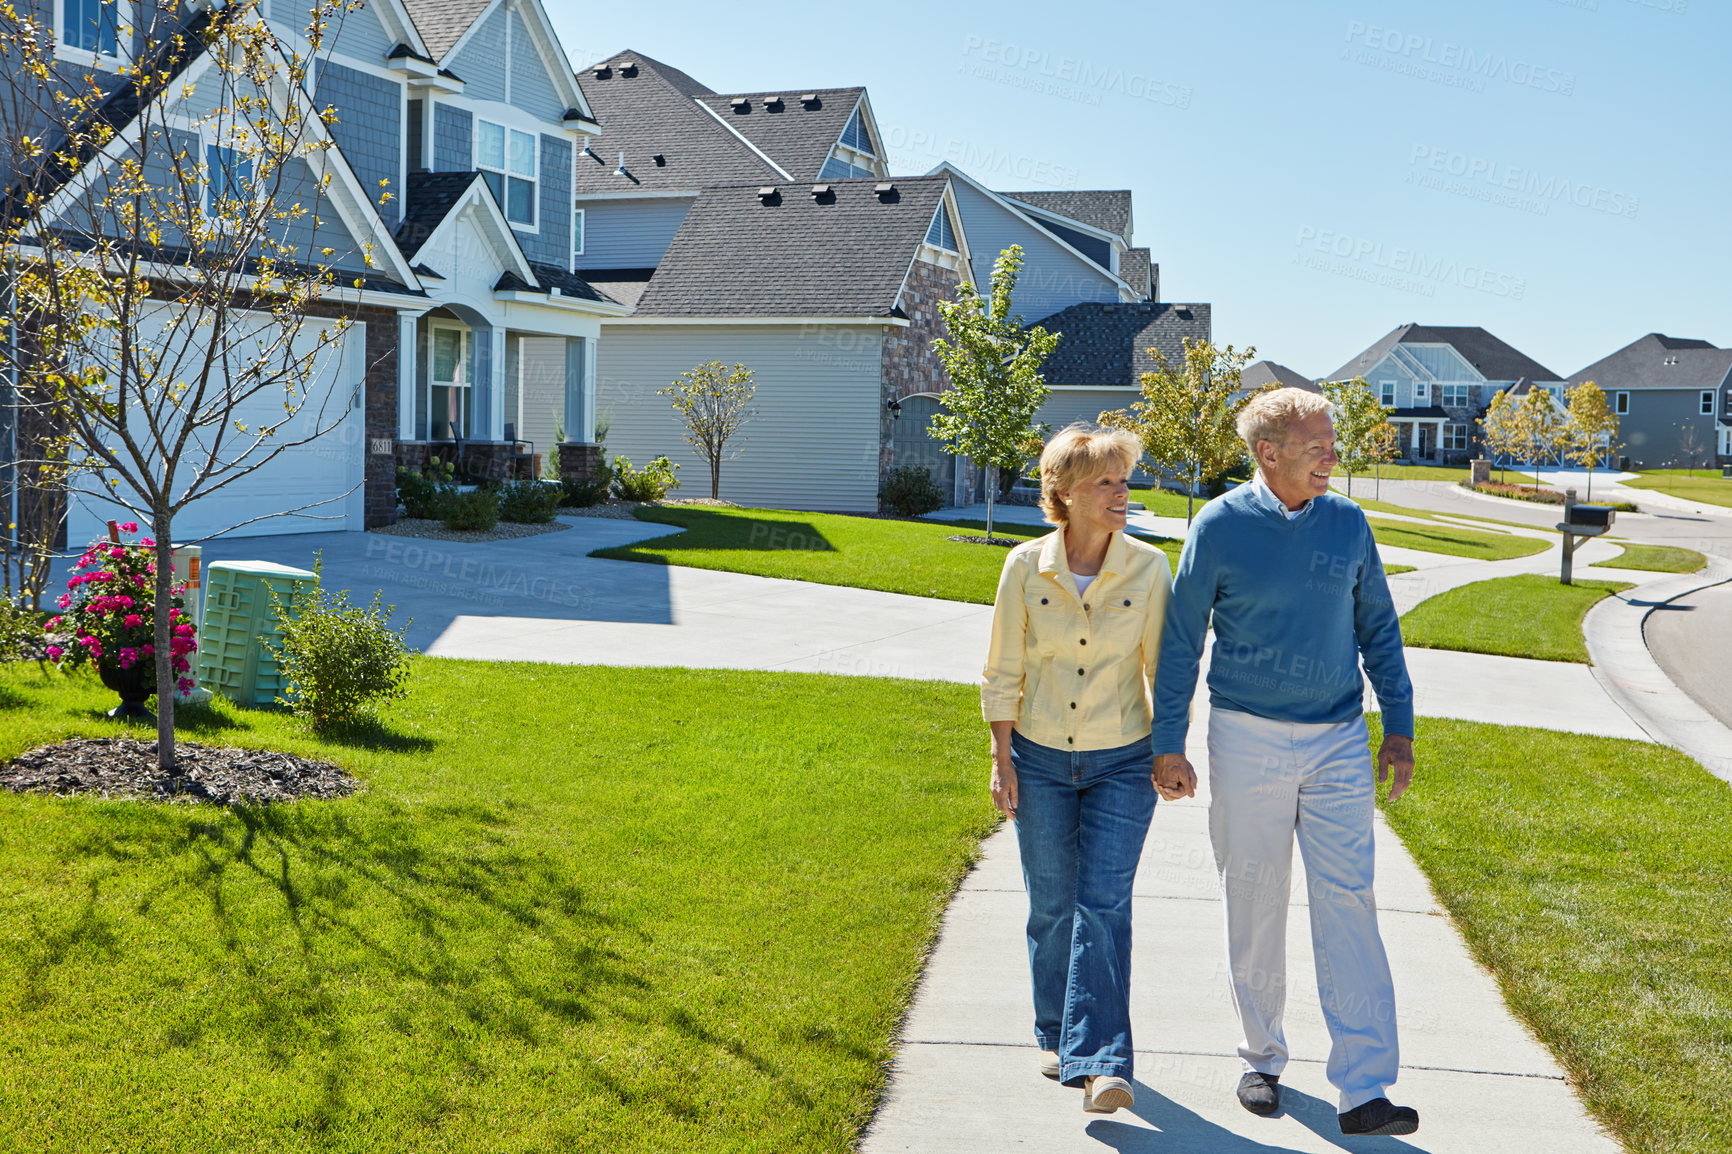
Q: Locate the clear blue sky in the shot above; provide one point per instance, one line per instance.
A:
(1555, 170)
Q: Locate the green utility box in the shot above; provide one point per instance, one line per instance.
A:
(232, 660)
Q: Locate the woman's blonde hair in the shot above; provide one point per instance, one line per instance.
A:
(1268, 416)
(1077, 454)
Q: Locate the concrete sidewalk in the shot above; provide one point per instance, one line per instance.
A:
(965, 1080)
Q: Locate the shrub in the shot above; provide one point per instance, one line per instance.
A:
(590, 491)
(651, 483)
(1540, 496)
(476, 511)
(337, 658)
(21, 632)
(422, 492)
(529, 502)
(909, 490)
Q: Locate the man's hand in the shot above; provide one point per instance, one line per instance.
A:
(1003, 786)
(1173, 777)
(1395, 752)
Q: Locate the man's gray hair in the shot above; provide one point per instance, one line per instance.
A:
(1268, 416)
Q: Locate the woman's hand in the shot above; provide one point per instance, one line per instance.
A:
(1004, 786)
(1174, 777)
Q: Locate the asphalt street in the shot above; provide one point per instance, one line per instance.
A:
(1691, 638)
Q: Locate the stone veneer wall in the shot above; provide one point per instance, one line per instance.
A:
(910, 365)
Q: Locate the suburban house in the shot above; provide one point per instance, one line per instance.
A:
(1439, 379)
(1106, 349)
(447, 191)
(1673, 398)
(1275, 375)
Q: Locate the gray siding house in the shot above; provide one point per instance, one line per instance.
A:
(1673, 398)
(1439, 379)
(1105, 350)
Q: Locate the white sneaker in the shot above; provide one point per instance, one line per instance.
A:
(1104, 1093)
(1049, 1063)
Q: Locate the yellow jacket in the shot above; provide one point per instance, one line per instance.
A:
(1074, 672)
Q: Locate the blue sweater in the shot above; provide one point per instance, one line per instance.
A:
(1296, 603)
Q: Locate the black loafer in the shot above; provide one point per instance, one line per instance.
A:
(1260, 1093)
(1379, 1116)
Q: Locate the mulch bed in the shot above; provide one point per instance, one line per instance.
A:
(986, 540)
(121, 767)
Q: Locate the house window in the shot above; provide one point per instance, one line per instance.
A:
(1726, 440)
(1708, 402)
(448, 383)
(576, 236)
(1386, 393)
(940, 235)
(837, 169)
(1620, 403)
(506, 158)
(855, 135)
(1454, 438)
(1452, 396)
(1421, 392)
(91, 25)
(228, 178)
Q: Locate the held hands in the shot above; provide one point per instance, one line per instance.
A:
(1396, 752)
(1174, 777)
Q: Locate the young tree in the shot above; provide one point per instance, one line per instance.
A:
(1382, 445)
(996, 386)
(714, 402)
(1186, 419)
(1591, 429)
(1539, 429)
(1358, 417)
(1691, 446)
(1500, 429)
(168, 263)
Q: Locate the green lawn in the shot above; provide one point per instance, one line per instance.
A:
(575, 909)
(915, 557)
(1441, 537)
(1419, 473)
(1371, 506)
(1392, 570)
(1706, 485)
(1166, 503)
(1529, 615)
(1594, 877)
(1657, 558)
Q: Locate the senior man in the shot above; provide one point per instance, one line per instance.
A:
(1291, 575)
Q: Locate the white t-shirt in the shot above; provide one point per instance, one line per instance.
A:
(1083, 583)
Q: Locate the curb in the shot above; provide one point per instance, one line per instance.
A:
(1630, 675)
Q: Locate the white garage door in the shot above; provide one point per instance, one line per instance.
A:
(321, 480)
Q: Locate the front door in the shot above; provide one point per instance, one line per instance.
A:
(448, 381)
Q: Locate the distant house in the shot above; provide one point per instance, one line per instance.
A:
(1274, 374)
(1671, 395)
(1100, 360)
(1439, 379)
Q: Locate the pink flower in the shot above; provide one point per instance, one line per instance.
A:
(133, 621)
(147, 543)
(118, 553)
(129, 527)
(51, 624)
(65, 601)
(128, 657)
(180, 665)
(55, 653)
(148, 650)
(184, 685)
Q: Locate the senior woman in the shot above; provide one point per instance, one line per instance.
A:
(1076, 630)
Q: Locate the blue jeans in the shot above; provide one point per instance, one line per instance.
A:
(1080, 823)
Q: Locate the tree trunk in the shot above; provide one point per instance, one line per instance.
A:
(716, 480)
(991, 491)
(161, 526)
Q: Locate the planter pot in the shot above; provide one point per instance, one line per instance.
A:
(135, 686)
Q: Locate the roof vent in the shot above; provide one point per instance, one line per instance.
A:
(741, 104)
(823, 192)
(661, 161)
(773, 104)
(620, 171)
(810, 100)
(769, 195)
(603, 71)
(886, 192)
(628, 69)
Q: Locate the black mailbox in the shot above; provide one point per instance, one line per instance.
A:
(1595, 516)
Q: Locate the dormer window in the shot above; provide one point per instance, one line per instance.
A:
(91, 25)
(228, 182)
(940, 235)
(855, 135)
(506, 160)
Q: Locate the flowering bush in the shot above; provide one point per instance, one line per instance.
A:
(107, 610)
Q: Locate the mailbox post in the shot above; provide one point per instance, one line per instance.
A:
(1580, 521)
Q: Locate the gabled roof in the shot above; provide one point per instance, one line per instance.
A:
(1107, 345)
(431, 199)
(798, 134)
(1264, 373)
(1136, 270)
(654, 112)
(844, 255)
(442, 23)
(1106, 209)
(1641, 364)
(1495, 360)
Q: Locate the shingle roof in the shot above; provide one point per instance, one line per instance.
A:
(1107, 345)
(654, 112)
(1641, 364)
(1106, 209)
(845, 255)
(569, 284)
(443, 22)
(1136, 270)
(624, 285)
(1263, 373)
(1495, 360)
(799, 135)
(427, 197)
